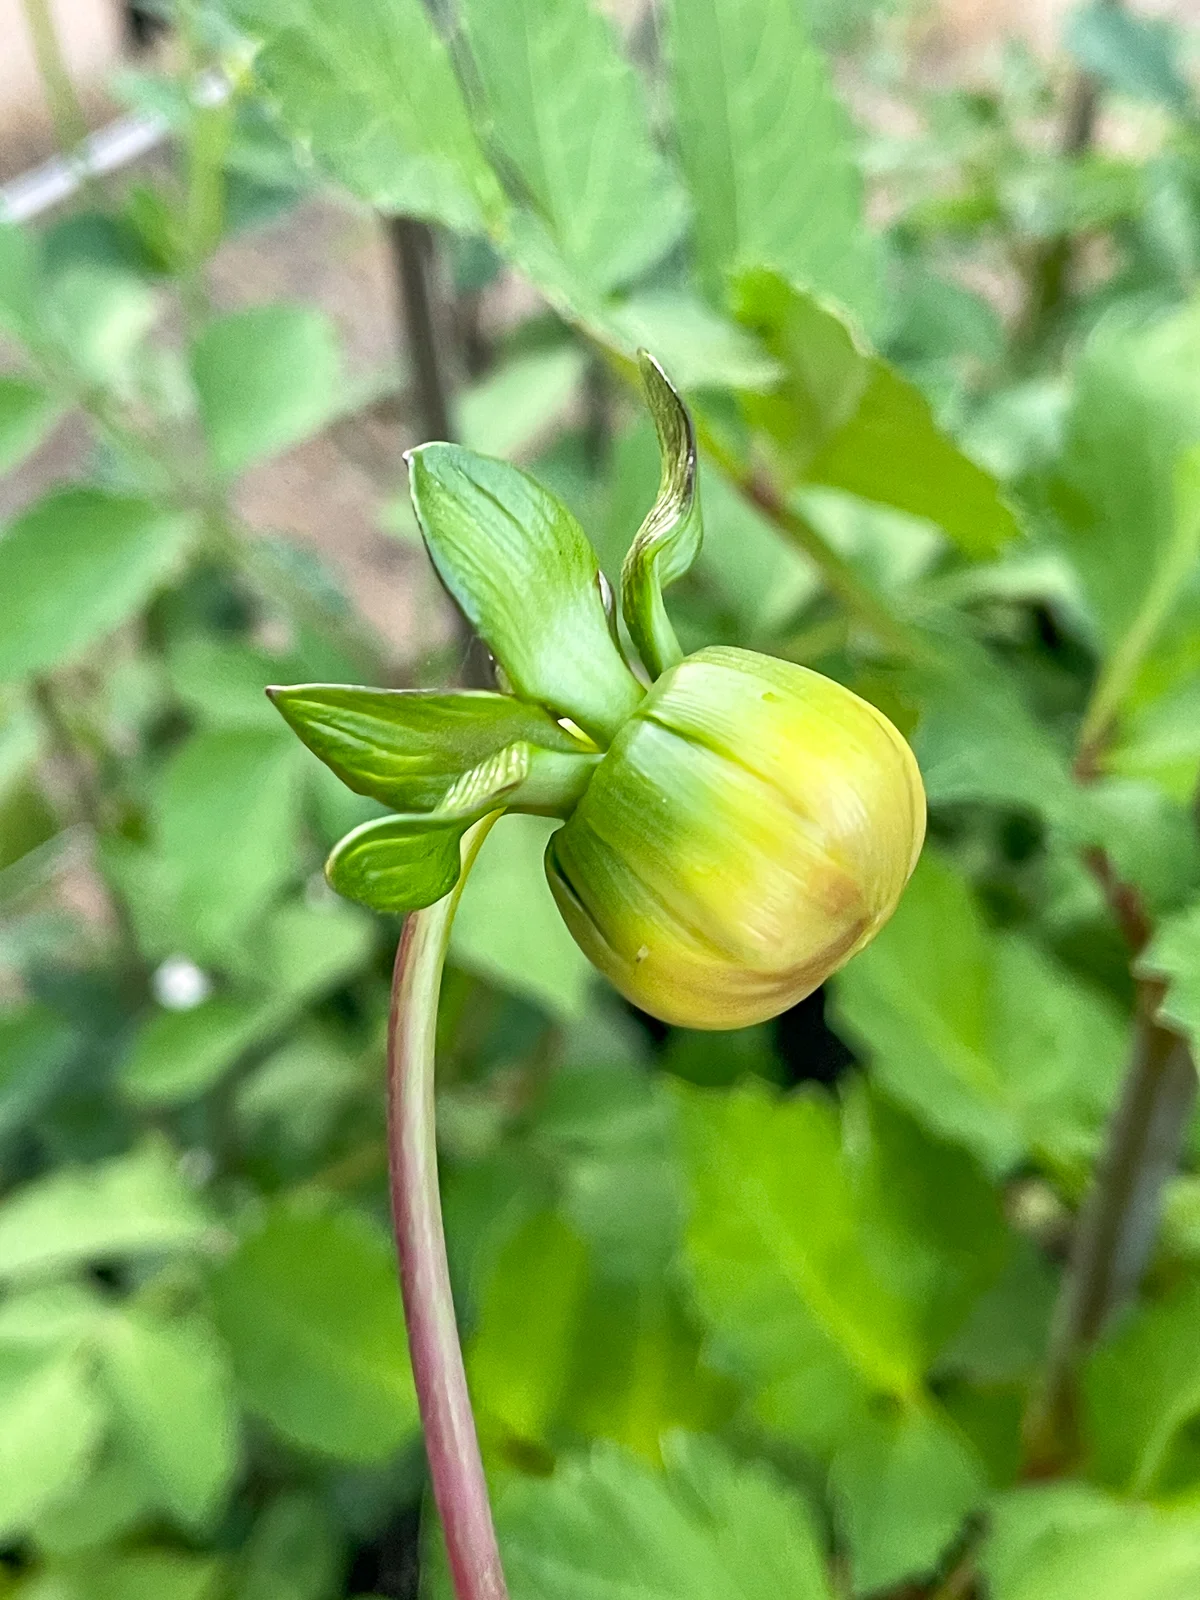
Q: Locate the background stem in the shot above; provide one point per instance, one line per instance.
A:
(451, 1443)
(66, 112)
(412, 251)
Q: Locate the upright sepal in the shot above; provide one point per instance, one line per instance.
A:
(417, 752)
(524, 574)
(668, 541)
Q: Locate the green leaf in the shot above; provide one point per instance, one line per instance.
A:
(1135, 55)
(522, 401)
(520, 1367)
(698, 346)
(521, 569)
(1136, 409)
(293, 1553)
(1063, 1541)
(842, 417)
(74, 567)
(605, 1527)
(99, 313)
(310, 1307)
(1142, 1386)
(668, 541)
(1174, 954)
(265, 378)
(903, 1487)
(35, 1048)
(507, 927)
(410, 749)
(305, 951)
(134, 1205)
(173, 1394)
(371, 90)
(983, 1038)
(143, 1575)
(224, 818)
(568, 113)
(51, 1420)
(767, 150)
(97, 1509)
(779, 1264)
(19, 280)
(27, 414)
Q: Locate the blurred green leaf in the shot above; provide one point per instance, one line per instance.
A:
(519, 1366)
(767, 150)
(310, 1307)
(903, 1486)
(265, 379)
(99, 312)
(35, 1048)
(372, 91)
(27, 414)
(778, 1259)
(224, 816)
(303, 951)
(1136, 409)
(19, 273)
(1061, 1541)
(51, 1420)
(1135, 55)
(711, 1528)
(1142, 1386)
(135, 1205)
(99, 1507)
(523, 399)
(507, 928)
(147, 1574)
(567, 110)
(521, 569)
(75, 566)
(984, 1039)
(172, 1391)
(845, 418)
(1174, 954)
(294, 1551)
(699, 348)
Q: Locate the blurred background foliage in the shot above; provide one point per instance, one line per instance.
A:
(766, 1314)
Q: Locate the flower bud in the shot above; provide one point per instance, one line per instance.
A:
(751, 827)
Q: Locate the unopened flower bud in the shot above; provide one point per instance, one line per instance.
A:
(751, 826)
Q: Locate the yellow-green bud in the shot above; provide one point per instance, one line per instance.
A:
(751, 826)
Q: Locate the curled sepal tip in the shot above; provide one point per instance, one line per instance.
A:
(668, 541)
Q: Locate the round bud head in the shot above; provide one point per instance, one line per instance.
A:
(751, 827)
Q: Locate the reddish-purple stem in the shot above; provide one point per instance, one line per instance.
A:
(451, 1442)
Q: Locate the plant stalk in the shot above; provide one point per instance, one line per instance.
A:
(412, 251)
(66, 112)
(1117, 1227)
(451, 1442)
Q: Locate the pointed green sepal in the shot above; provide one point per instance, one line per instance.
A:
(522, 571)
(668, 541)
(414, 750)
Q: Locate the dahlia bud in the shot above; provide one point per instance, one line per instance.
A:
(732, 835)
(750, 828)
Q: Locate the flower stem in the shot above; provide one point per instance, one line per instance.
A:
(451, 1443)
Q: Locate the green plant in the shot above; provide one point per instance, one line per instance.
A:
(726, 1331)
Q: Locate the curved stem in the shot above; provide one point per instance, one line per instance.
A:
(451, 1443)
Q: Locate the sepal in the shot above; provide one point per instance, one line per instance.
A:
(523, 573)
(668, 541)
(415, 751)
